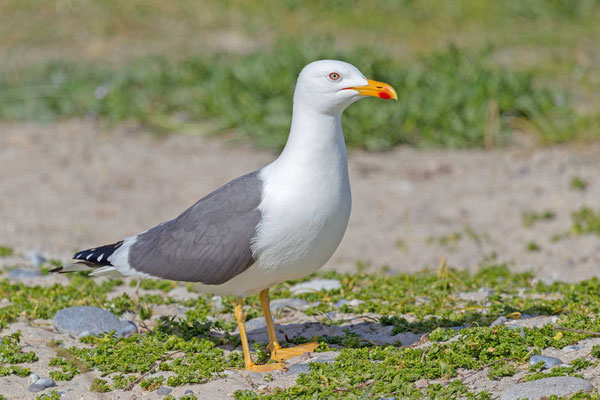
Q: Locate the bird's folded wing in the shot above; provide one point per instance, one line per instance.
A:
(209, 243)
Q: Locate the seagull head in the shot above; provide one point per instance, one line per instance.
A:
(329, 86)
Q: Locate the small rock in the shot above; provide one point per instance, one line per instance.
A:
(421, 383)
(544, 388)
(351, 303)
(188, 392)
(36, 258)
(316, 286)
(478, 296)
(300, 364)
(548, 361)
(33, 377)
(23, 274)
(499, 321)
(90, 320)
(280, 304)
(255, 324)
(164, 390)
(41, 384)
(218, 304)
(180, 293)
(575, 347)
(532, 322)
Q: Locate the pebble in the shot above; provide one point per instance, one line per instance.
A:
(575, 347)
(544, 388)
(84, 320)
(316, 286)
(499, 321)
(41, 384)
(180, 293)
(164, 390)
(532, 322)
(478, 296)
(217, 304)
(22, 273)
(33, 377)
(36, 258)
(302, 364)
(255, 324)
(188, 392)
(296, 304)
(548, 361)
(351, 303)
(421, 383)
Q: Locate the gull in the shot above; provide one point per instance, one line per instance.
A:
(279, 223)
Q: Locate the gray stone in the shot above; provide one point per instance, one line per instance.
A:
(188, 392)
(33, 377)
(422, 383)
(532, 322)
(218, 304)
(548, 361)
(316, 286)
(478, 296)
(351, 303)
(91, 320)
(41, 384)
(164, 390)
(255, 324)
(302, 364)
(575, 347)
(542, 388)
(180, 293)
(23, 273)
(296, 304)
(36, 258)
(499, 321)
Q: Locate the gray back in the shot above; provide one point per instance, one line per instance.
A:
(207, 243)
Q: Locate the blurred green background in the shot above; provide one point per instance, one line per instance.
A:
(469, 73)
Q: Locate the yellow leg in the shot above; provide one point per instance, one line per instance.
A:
(277, 352)
(240, 317)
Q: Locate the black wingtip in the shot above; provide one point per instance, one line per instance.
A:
(56, 270)
(97, 255)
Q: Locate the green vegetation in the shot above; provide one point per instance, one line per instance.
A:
(525, 66)
(189, 349)
(585, 221)
(53, 395)
(447, 99)
(578, 183)
(533, 247)
(6, 251)
(10, 354)
(531, 217)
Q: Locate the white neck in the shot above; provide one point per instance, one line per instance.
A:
(315, 139)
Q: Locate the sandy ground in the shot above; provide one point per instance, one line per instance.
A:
(75, 185)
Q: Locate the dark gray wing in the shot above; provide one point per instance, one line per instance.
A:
(207, 243)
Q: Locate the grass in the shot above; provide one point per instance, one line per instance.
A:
(585, 221)
(452, 98)
(531, 217)
(186, 350)
(468, 73)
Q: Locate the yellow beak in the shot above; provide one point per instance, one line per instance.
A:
(376, 89)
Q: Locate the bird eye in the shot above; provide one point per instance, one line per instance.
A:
(334, 76)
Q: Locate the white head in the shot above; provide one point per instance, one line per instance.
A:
(329, 86)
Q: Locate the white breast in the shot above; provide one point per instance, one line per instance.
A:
(304, 217)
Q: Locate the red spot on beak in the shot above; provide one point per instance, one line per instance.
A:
(385, 95)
